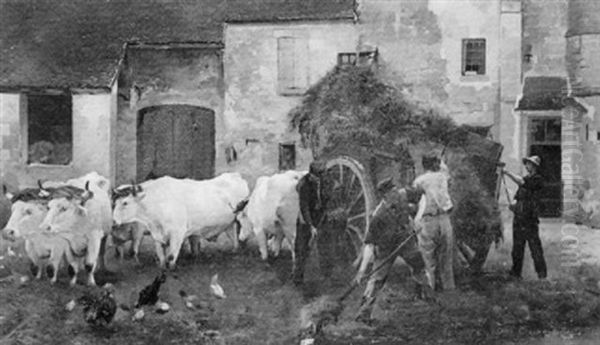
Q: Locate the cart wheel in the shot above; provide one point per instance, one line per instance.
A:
(354, 196)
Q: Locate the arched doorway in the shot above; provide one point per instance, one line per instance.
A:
(175, 140)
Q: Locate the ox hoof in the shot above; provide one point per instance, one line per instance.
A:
(50, 272)
(34, 270)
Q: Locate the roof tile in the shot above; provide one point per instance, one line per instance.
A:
(78, 43)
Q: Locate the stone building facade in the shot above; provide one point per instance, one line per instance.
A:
(581, 139)
(202, 82)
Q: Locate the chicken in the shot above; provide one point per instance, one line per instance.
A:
(149, 295)
(215, 288)
(99, 309)
(194, 302)
(188, 300)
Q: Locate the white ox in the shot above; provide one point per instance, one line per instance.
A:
(56, 248)
(175, 209)
(29, 206)
(86, 216)
(272, 210)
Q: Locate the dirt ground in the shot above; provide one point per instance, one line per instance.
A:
(262, 306)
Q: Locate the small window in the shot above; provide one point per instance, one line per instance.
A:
(345, 59)
(287, 156)
(49, 129)
(292, 68)
(363, 58)
(587, 132)
(473, 56)
(545, 131)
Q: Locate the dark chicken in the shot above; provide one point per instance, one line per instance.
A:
(98, 309)
(149, 295)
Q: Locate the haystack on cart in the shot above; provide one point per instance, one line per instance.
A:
(357, 170)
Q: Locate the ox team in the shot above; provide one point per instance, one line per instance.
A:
(70, 222)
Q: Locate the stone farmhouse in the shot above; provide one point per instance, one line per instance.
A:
(192, 88)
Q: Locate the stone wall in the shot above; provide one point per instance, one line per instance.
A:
(544, 28)
(154, 76)
(420, 42)
(10, 129)
(509, 123)
(92, 116)
(256, 113)
(583, 64)
(583, 68)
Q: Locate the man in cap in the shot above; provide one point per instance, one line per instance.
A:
(390, 234)
(526, 218)
(436, 236)
(311, 213)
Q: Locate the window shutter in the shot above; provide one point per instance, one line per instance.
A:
(301, 64)
(285, 61)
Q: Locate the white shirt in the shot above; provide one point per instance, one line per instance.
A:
(436, 197)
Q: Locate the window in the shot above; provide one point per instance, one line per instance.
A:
(292, 68)
(346, 59)
(287, 156)
(545, 131)
(362, 58)
(49, 129)
(473, 56)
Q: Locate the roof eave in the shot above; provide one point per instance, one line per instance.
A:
(58, 90)
(176, 45)
(346, 17)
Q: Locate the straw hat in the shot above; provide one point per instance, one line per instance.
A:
(536, 160)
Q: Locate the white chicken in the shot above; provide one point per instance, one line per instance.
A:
(215, 288)
(70, 306)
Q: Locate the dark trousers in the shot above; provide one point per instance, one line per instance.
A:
(301, 251)
(411, 254)
(327, 242)
(527, 232)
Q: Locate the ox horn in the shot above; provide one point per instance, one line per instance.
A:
(44, 193)
(87, 194)
(133, 188)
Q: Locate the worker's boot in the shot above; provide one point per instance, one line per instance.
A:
(365, 310)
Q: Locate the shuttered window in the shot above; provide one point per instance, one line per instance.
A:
(473, 56)
(292, 67)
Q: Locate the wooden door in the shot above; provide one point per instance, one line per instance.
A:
(545, 137)
(175, 140)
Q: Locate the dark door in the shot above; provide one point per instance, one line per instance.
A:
(175, 140)
(545, 136)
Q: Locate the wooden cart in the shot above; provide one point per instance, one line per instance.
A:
(357, 171)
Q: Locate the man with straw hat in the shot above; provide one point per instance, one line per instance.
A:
(526, 218)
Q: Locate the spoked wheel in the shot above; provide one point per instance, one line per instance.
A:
(352, 201)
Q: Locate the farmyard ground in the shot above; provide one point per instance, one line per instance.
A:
(262, 306)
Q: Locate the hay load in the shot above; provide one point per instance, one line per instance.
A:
(352, 105)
